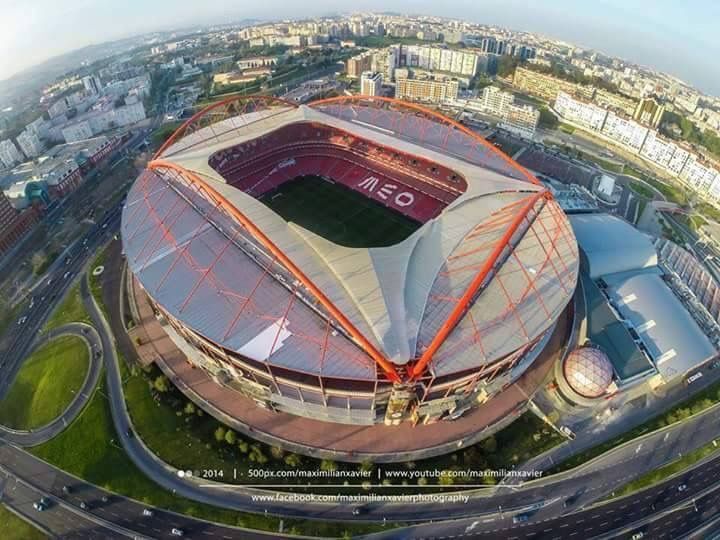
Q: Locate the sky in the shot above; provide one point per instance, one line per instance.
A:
(677, 37)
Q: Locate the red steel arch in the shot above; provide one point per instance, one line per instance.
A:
(238, 105)
(368, 347)
(228, 106)
(369, 100)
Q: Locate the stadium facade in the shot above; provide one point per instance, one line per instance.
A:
(421, 330)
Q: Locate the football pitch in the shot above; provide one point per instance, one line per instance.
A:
(338, 213)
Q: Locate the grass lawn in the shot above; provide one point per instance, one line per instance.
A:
(46, 384)
(662, 474)
(15, 528)
(339, 214)
(642, 190)
(604, 163)
(70, 310)
(96, 281)
(672, 193)
(88, 449)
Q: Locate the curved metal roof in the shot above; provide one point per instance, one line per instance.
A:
(488, 275)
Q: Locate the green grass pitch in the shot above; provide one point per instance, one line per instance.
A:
(338, 213)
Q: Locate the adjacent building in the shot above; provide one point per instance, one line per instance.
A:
(547, 86)
(521, 120)
(648, 111)
(358, 64)
(371, 83)
(426, 90)
(92, 84)
(697, 174)
(30, 144)
(9, 154)
(14, 224)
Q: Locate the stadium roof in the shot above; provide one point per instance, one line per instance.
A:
(484, 278)
(611, 244)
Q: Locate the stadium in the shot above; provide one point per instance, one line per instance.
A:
(356, 260)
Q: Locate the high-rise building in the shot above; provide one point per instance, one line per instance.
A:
(371, 83)
(433, 58)
(57, 108)
(495, 101)
(92, 84)
(587, 115)
(427, 90)
(547, 86)
(648, 111)
(521, 120)
(9, 154)
(356, 65)
(30, 144)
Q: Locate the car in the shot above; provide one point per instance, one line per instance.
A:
(105, 498)
(520, 518)
(45, 502)
(66, 275)
(129, 433)
(637, 536)
(22, 321)
(84, 505)
(177, 532)
(714, 365)
(682, 487)
(38, 506)
(358, 510)
(571, 500)
(66, 489)
(147, 512)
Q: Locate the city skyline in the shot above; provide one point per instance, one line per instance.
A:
(638, 34)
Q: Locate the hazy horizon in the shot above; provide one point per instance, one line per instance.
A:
(671, 37)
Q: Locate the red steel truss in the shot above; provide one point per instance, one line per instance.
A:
(519, 220)
(227, 206)
(502, 247)
(381, 105)
(235, 106)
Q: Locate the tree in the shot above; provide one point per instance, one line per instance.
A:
(547, 119)
(366, 466)
(243, 446)
(220, 434)
(446, 478)
(293, 460)
(230, 437)
(189, 408)
(328, 465)
(277, 452)
(161, 384)
(506, 65)
(489, 445)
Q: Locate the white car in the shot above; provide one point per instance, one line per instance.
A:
(22, 320)
(177, 532)
(148, 513)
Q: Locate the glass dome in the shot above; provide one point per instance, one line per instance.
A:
(588, 371)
